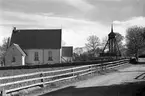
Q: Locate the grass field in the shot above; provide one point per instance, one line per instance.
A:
(12, 72)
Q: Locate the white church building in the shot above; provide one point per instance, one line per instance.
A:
(34, 46)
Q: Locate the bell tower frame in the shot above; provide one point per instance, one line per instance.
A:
(113, 49)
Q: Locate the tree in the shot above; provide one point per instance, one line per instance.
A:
(135, 41)
(119, 39)
(78, 50)
(104, 41)
(122, 47)
(93, 42)
(3, 49)
(143, 33)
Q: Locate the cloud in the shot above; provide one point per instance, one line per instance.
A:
(109, 10)
(80, 4)
(75, 31)
(139, 21)
(67, 8)
(57, 7)
(123, 25)
(103, 11)
(110, 0)
(5, 31)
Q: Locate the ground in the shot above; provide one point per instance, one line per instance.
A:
(129, 81)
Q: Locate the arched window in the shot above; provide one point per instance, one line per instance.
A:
(49, 55)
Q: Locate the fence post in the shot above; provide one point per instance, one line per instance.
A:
(72, 70)
(42, 80)
(91, 69)
(96, 68)
(103, 66)
(2, 92)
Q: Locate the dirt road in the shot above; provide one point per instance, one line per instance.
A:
(125, 82)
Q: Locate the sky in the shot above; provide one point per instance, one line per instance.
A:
(78, 19)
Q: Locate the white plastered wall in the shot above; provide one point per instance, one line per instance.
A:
(43, 56)
(13, 52)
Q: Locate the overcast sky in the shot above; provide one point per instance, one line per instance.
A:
(77, 18)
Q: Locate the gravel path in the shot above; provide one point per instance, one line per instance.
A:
(120, 83)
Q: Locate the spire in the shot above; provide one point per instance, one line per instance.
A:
(112, 27)
(111, 34)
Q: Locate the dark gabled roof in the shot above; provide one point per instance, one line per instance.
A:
(37, 38)
(19, 49)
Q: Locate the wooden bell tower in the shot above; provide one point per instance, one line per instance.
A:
(113, 49)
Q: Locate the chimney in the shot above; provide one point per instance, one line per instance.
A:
(14, 30)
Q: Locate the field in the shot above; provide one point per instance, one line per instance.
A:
(10, 81)
(17, 70)
(12, 72)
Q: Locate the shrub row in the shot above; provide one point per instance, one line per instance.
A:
(78, 63)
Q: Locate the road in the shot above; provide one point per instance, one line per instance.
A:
(125, 82)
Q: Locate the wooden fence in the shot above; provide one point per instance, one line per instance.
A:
(18, 82)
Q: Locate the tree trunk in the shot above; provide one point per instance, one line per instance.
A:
(136, 55)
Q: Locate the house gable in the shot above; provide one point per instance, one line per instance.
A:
(17, 47)
(14, 56)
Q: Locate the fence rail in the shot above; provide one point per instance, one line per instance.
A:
(15, 83)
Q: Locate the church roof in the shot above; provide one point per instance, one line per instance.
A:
(19, 48)
(37, 38)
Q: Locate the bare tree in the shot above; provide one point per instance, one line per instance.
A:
(104, 41)
(3, 49)
(78, 50)
(93, 42)
(135, 40)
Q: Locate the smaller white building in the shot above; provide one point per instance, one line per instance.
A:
(67, 54)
